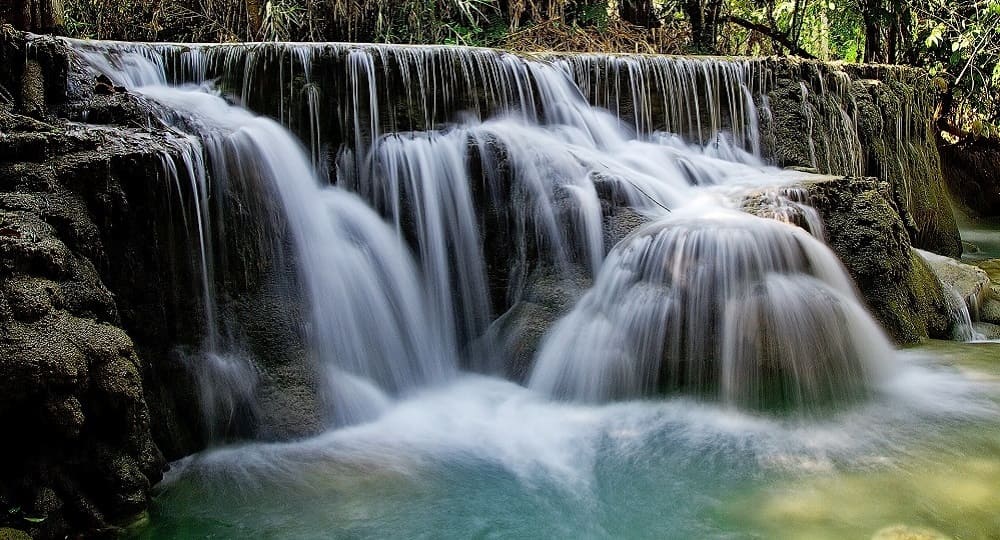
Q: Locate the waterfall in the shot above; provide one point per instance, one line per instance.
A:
(749, 310)
(368, 311)
(455, 172)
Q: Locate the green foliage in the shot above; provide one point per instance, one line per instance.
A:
(960, 42)
(956, 40)
(588, 14)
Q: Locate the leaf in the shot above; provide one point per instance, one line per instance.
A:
(33, 519)
(936, 36)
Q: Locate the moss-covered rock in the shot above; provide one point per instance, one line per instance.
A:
(7, 533)
(862, 225)
(865, 121)
(71, 387)
(970, 283)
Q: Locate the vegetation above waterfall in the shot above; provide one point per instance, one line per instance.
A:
(958, 41)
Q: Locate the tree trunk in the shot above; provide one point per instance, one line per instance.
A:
(871, 13)
(255, 17)
(639, 13)
(696, 18)
(704, 17)
(33, 15)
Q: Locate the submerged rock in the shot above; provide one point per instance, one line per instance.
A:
(904, 532)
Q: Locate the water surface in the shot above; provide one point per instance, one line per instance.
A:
(484, 458)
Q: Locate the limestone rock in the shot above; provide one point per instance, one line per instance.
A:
(865, 142)
(987, 330)
(521, 329)
(970, 282)
(989, 311)
(903, 532)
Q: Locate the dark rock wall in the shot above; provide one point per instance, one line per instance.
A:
(78, 453)
(102, 318)
(972, 171)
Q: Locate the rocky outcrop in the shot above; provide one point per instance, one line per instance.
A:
(75, 387)
(970, 283)
(862, 225)
(865, 230)
(102, 318)
(79, 455)
(548, 296)
(865, 121)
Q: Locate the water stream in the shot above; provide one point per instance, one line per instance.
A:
(719, 364)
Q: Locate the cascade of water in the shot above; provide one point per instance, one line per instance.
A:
(227, 378)
(720, 303)
(521, 181)
(961, 316)
(368, 316)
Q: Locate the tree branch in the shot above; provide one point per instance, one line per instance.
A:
(776, 35)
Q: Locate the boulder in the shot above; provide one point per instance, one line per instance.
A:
(513, 339)
(989, 311)
(862, 225)
(971, 283)
(987, 330)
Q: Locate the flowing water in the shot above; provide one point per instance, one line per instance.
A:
(489, 459)
(719, 379)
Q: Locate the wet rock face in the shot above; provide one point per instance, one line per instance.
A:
(99, 304)
(864, 229)
(79, 453)
(865, 121)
